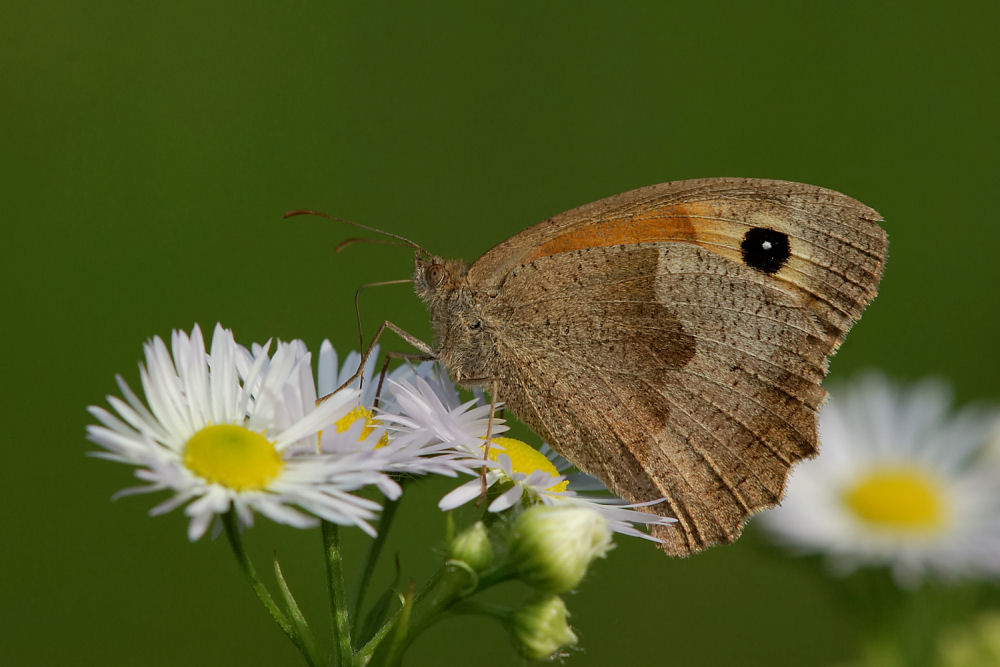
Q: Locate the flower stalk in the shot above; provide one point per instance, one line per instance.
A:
(338, 594)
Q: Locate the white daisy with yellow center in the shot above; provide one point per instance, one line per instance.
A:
(237, 430)
(513, 461)
(374, 427)
(899, 482)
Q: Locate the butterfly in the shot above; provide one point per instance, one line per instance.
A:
(670, 340)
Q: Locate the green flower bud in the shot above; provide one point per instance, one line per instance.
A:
(472, 546)
(972, 644)
(552, 547)
(540, 628)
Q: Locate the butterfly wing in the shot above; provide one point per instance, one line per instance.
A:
(657, 348)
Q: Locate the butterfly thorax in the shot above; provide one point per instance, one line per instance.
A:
(463, 338)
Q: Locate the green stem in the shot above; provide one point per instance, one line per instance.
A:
(371, 559)
(494, 577)
(236, 542)
(334, 558)
(452, 588)
(476, 608)
(443, 590)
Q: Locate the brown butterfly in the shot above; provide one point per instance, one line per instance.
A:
(670, 340)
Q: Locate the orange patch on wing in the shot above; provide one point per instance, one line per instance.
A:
(677, 222)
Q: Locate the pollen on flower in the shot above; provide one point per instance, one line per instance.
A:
(361, 412)
(526, 459)
(897, 499)
(232, 456)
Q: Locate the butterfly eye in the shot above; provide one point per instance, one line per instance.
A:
(435, 274)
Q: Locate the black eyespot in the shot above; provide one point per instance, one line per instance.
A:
(765, 249)
(476, 326)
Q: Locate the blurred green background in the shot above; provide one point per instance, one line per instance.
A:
(149, 150)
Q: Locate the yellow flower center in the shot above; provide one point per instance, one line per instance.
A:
(897, 499)
(361, 412)
(232, 456)
(526, 459)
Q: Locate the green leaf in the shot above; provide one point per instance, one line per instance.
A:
(303, 634)
(380, 612)
(390, 653)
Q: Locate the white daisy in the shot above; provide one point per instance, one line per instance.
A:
(535, 477)
(231, 429)
(436, 378)
(427, 420)
(362, 429)
(357, 430)
(900, 482)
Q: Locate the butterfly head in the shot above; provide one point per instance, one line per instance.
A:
(463, 337)
(435, 278)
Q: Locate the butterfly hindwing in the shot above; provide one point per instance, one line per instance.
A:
(630, 374)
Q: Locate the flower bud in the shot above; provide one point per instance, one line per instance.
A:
(552, 547)
(976, 642)
(472, 546)
(540, 628)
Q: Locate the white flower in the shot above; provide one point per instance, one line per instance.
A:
(231, 429)
(426, 423)
(536, 476)
(372, 427)
(900, 482)
(437, 380)
(358, 429)
(330, 375)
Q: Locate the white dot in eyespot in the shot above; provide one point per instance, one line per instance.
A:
(766, 245)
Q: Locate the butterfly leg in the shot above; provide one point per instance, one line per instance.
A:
(489, 434)
(489, 427)
(424, 348)
(389, 356)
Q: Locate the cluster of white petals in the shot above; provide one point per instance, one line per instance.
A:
(266, 396)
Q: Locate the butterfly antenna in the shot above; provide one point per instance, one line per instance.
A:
(358, 239)
(402, 239)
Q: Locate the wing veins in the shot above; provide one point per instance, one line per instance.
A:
(688, 303)
(679, 511)
(700, 452)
